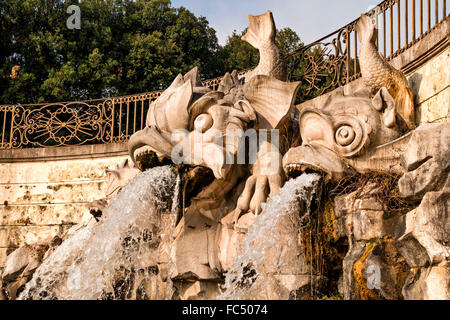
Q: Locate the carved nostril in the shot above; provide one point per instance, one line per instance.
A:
(345, 135)
(415, 165)
(203, 122)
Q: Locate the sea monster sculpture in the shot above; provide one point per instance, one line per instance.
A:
(260, 101)
(361, 131)
(193, 125)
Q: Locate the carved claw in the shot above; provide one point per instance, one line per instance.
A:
(266, 180)
(236, 215)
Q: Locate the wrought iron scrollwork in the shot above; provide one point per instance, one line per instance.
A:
(60, 124)
(321, 66)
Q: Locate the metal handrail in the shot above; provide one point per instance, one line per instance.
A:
(321, 66)
(332, 61)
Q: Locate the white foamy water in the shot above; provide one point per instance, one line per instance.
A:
(295, 196)
(102, 257)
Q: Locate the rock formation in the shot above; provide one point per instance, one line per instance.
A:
(363, 214)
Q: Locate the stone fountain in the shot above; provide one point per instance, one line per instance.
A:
(229, 195)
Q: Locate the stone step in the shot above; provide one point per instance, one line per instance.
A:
(45, 193)
(43, 214)
(56, 171)
(28, 235)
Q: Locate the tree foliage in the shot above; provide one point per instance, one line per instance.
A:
(123, 47)
(238, 54)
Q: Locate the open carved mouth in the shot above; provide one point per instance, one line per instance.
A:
(146, 158)
(313, 157)
(194, 178)
(294, 170)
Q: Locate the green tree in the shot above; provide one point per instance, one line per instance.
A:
(238, 54)
(123, 47)
(287, 40)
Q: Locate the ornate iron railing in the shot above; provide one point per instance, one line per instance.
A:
(332, 61)
(321, 66)
(107, 120)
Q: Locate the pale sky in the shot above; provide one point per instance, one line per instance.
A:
(311, 19)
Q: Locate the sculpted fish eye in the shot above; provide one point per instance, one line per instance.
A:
(203, 122)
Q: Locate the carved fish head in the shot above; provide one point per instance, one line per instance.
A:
(214, 132)
(119, 177)
(189, 123)
(366, 29)
(344, 127)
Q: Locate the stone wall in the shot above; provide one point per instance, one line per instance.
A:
(431, 86)
(43, 192)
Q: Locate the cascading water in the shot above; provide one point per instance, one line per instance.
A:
(119, 257)
(271, 242)
(114, 258)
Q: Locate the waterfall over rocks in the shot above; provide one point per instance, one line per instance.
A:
(270, 264)
(115, 257)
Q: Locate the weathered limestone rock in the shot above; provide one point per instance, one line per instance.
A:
(426, 160)
(229, 239)
(198, 290)
(374, 270)
(190, 256)
(423, 240)
(424, 234)
(2, 291)
(21, 264)
(369, 224)
(348, 283)
(15, 263)
(360, 215)
(13, 288)
(19, 268)
(431, 283)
